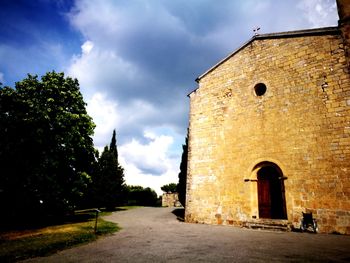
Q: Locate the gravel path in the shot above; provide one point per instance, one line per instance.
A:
(155, 235)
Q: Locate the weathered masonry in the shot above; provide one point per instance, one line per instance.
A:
(170, 200)
(269, 134)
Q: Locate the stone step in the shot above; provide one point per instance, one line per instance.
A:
(267, 224)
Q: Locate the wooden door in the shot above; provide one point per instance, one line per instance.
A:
(264, 198)
(271, 196)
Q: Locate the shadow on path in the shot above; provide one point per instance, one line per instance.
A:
(180, 214)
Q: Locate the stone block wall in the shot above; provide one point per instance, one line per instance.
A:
(170, 200)
(301, 124)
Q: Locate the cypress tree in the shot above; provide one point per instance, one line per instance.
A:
(109, 184)
(113, 146)
(181, 187)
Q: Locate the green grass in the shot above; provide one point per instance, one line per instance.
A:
(18, 245)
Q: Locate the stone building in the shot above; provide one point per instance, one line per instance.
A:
(170, 200)
(269, 133)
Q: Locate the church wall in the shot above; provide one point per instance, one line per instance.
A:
(301, 124)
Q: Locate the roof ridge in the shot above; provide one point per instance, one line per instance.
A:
(286, 34)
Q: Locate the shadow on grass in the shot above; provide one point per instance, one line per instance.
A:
(53, 235)
(39, 221)
(180, 214)
(36, 221)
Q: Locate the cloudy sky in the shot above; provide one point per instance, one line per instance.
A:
(136, 61)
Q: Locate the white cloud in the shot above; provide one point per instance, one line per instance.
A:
(319, 13)
(104, 114)
(255, 7)
(87, 47)
(137, 110)
(149, 164)
(100, 69)
(151, 157)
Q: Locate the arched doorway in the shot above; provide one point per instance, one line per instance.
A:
(271, 197)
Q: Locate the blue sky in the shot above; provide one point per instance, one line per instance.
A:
(137, 60)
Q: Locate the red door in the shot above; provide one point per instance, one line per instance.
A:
(264, 198)
(271, 198)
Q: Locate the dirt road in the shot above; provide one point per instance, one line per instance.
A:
(155, 235)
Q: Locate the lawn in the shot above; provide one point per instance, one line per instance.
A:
(21, 244)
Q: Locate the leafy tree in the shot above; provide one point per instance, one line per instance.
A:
(108, 179)
(46, 149)
(181, 187)
(169, 188)
(137, 195)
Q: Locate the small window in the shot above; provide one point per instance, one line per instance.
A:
(260, 89)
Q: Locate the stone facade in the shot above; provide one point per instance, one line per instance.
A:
(269, 133)
(170, 200)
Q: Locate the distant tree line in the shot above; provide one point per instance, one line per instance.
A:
(48, 162)
(138, 195)
(169, 188)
